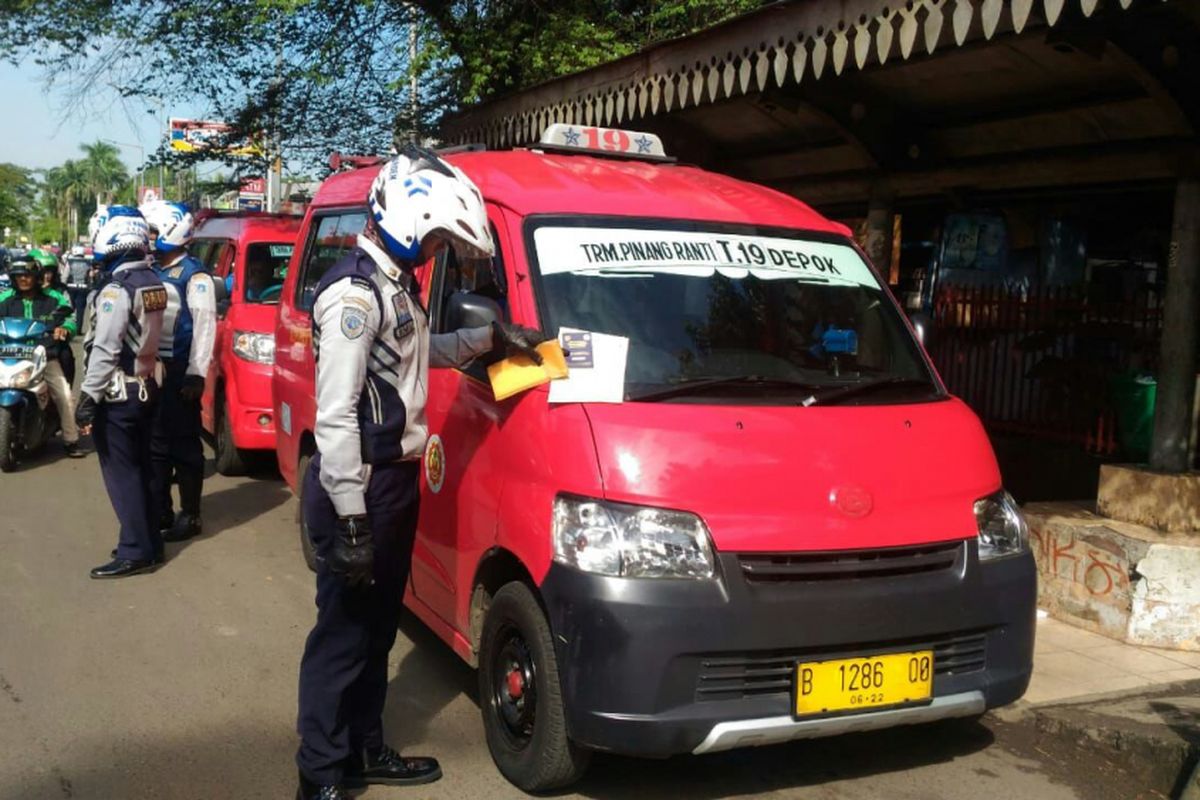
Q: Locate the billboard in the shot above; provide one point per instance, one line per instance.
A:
(193, 135)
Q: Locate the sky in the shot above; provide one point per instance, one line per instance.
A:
(37, 134)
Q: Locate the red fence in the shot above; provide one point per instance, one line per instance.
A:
(1044, 363)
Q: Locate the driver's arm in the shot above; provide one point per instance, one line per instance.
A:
(459, 348)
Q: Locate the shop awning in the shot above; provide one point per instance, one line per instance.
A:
(827, 98)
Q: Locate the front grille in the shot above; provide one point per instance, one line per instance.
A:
(847, 565)
(735, 675)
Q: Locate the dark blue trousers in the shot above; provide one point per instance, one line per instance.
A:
(343, 674)
(175, 448)
(121, 432)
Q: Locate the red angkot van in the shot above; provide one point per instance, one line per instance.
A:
(250, 253)
(777, 525)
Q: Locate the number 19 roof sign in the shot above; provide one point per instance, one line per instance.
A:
(615, 141)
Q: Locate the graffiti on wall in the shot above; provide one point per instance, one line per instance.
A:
(1085, 561)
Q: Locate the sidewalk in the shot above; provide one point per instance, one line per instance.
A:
(1070, 663)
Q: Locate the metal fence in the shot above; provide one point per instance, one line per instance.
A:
(1051, 363)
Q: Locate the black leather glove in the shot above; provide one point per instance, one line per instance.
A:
(193, 387)
(518, 339)
(85, 412)
(353, 553)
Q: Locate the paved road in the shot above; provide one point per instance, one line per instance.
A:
(182, 684)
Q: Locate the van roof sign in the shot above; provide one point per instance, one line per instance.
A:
(603, 141)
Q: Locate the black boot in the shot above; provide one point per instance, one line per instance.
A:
(186, 526)
(166, 521)
(386, 767)
(316, 791)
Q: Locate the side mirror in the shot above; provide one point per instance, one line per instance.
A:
(466, 310)
(922, 325)
(221, 295)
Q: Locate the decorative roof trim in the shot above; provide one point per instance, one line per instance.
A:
(808, 40)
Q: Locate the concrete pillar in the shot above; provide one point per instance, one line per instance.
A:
(879, 230)
(1169, 449)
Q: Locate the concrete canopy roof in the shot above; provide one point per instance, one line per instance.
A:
(826, 98)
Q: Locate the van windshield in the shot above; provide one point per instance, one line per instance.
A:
(266, 268)
(718, 313)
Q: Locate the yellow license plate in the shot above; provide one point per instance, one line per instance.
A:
(853, 684)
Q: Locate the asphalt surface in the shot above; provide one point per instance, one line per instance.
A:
(182, 684)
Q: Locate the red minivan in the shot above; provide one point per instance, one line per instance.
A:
(250, 253)
(785, 528)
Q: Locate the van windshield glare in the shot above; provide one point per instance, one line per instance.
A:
(767, 315)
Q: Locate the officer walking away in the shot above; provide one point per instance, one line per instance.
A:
(79, 272)
(186, 349)
(29, 300)
(118, 391)
(373, 348)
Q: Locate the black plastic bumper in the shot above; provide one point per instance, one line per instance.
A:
(645, 664)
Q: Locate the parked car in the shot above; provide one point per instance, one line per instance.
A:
(786, 528)
(249, 252)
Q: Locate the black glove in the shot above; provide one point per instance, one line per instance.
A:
(518, 339)
(85, 412)
(193, 387)
(353, 551)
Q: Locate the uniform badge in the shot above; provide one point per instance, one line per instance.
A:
(435, 464)
(154, 298)
(404, 320)
(107, 306)
(175, 272)
(354, 322)
(201, 287)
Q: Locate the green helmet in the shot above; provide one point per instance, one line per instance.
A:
(42, 257)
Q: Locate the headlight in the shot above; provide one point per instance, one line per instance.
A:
(18, 380)
(630, 541)
(1002, 528)
(257, 347)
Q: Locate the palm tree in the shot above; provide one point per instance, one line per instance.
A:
(65, 191)
(103, 169)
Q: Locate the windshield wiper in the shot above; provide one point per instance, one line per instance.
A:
(837, 395)
(691, 385)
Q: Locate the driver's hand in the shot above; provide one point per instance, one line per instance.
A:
(61, 334)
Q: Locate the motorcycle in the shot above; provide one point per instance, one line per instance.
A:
(27, 416)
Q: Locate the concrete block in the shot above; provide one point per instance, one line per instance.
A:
(1128, 582)
(1157, 500)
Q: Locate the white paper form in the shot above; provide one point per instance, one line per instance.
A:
(604, 381)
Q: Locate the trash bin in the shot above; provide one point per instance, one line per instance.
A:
(1133, 396)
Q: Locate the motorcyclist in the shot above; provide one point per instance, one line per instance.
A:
(186, 348)
(29, 300)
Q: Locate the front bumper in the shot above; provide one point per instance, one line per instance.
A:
(660, 667)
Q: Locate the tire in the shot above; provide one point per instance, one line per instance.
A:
(8, 440)
(306, 545)
(230, 460)
(528, 742)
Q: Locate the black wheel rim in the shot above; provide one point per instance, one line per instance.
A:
(514, 687)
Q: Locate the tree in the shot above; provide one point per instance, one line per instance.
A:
(17, 191)
(316, 75)
(102, 170)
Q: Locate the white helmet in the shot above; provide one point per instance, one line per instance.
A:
(98, 218)
(124, 232)
(417, 193)
(172, 223)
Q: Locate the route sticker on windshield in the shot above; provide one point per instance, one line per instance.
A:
(577, 347)
(435, 464)
(616, 251)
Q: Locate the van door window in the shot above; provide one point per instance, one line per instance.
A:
(331, 235)
(221, 259)
(201, 249)
(265, 268)
(482, 276)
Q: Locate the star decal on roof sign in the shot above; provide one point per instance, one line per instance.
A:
(571, 137)
(643, 144)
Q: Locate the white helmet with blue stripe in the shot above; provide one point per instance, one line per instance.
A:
(172, 223)
(418, 193)
(99, 217)
(122, 233)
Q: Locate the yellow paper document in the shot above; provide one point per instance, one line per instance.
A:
(518, 373)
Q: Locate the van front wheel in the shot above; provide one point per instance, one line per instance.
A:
(521, 698)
